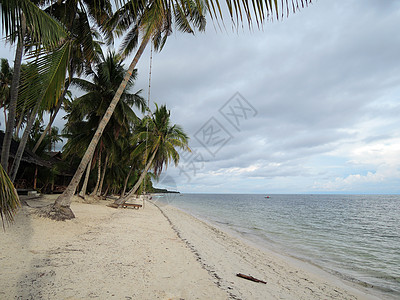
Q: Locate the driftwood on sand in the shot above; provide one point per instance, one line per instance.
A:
(250, 278)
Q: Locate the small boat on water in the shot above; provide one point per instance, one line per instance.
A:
(267, 197)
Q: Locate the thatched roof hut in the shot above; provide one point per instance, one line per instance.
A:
(28, 156)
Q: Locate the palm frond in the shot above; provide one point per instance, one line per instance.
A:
(130, 41)
(137, 100)
(181, 19)
(83, 84)
(9, 201)
(45, 78)
(45, 30)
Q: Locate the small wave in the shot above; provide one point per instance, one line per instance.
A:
(223, 223)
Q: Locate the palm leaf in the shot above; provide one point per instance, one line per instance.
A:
(45, 30)
(9, 201)
(83, 84)
(45, 78)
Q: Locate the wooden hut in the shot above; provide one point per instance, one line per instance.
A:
(29, 159)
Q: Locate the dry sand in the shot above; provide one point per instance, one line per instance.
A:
(151, 253)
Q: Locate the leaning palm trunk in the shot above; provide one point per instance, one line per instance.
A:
(85, 182)
(52, 118)
(139, 182)
(5, 152)
(126, 182)
(94, 192)
(63, 202)
(106, 191)
(102, 176)
(19, 124)
(22, 143)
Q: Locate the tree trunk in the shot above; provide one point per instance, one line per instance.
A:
(126, 182)
(52, 118)
(5, 152)
(85, 183)
(64, 200)
(106, 191)
(22, 112)
(139, 182)
(22, 143)
(19, 124)
(94, 192)
(5, 115)
(102, 176)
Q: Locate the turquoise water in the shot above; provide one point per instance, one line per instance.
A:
(354, 236)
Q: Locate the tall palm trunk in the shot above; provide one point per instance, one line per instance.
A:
(63, 202)
(5, 152)
(102, 176)
(22, 143)
(85, 182)
(139, 182)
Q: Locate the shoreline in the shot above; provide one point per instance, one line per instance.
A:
(240, 225)
(340, 288)
(156, 252)
(301, 262)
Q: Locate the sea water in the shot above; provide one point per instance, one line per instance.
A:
(354, 236)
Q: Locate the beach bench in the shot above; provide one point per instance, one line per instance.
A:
(134, 206)
(125, 205)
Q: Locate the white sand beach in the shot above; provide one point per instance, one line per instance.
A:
(151, 253)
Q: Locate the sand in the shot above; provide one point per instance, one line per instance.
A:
(151, 253)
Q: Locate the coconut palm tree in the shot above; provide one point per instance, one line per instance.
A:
(158, 142)
(92, 105)
(85, 50)
(6, 74)
(79, 42)
(48, 142)
(19, 18)
(154, 20)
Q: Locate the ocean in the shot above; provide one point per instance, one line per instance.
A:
(356, 237)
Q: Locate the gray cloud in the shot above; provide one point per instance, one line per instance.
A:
(326, 86)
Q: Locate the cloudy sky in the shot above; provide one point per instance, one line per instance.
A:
(308, 104)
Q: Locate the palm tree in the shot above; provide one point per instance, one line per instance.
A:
(130, 158)
(85, 49)
(13, 94)
(53, 114)
(79, 42)
(48, 142)
(20, 17)
(159, 140)
(6, 74)
(154, 20)
(92, 105)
